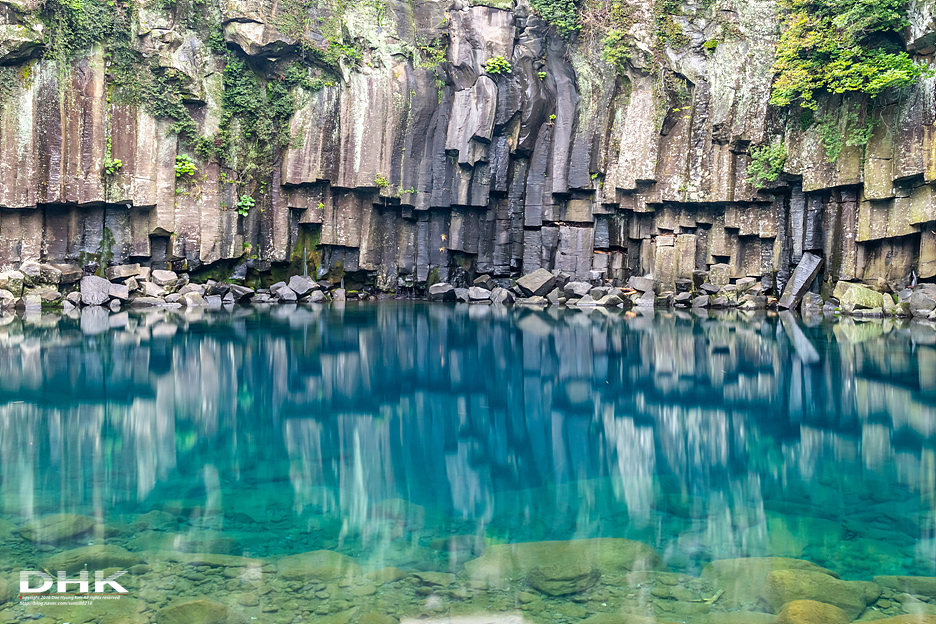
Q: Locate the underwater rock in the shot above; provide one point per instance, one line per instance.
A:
(200, 611)
(811, 612)
(919, 585)
(56, 528)
(374, 617)
(620, 618)
(558, 580)
(386, 575)
(5, 592)
(157, 520)
(95, 557)
(321, 565)
(438, 579)
(743, 579)
(502, 562)
(783, 586)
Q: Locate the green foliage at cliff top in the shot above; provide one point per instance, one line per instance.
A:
(841, 46)
(561, 14)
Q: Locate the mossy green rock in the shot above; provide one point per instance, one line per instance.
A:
(557, 580)
(811, 612)
(56, 528)
(857, 296)
(502, 563)
(743, 579)
(783, 586)
(321, 565)
(5, 592)
(95, 557)
(918, 585)
(199, 611)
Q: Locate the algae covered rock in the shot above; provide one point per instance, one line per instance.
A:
(918, 585)
(783, 586)
(5, 592)
(811, 612)
(199, 611)
(557, 580)
(95, 557)
(503, 563)
(743, 579)
(321, 565)
(56, 528)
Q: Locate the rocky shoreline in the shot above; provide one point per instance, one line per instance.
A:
(36, 286)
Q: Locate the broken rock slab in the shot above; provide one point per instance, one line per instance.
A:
(806, 271)
(537, 284)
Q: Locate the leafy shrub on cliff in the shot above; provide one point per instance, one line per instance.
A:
(497, 65)
(766, 163)
(841, 46)
(560, 14)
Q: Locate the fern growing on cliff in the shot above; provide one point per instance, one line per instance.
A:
(841, 46)
(766, 163)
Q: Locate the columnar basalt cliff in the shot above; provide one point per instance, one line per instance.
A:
(435, 140)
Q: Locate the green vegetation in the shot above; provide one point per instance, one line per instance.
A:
(837, 132)
(766, 163)
(615, 49)
(431, 55)
(244, 204)
(497, 65)
(381, 182)
(541, 75)
(184, 165)
(111, 165)
(560, 14)
(841, 46)
(711, 45)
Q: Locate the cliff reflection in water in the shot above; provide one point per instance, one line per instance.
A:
(377, 429)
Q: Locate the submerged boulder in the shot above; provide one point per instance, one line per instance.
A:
(811, 612)
(743, 579)
(199, 611)
(558, 580)
(95, 557)
(564, 560)
(783, 586)
(320, 565)
(56, 528)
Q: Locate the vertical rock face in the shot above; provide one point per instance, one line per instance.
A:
(440, 140)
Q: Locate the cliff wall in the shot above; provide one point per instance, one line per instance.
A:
(413, 155)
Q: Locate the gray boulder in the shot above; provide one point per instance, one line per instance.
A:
(536, 284)
(240, 292)
(13, 282)
(485, 282)
(577, 289)
(7, 300)
(31, 271)
(285, 294)
(153, 290)
(461, 294)
(502, 296)
(339, 294)
(643, 284)
(302, 284)
(441, 292)
(799, 283)
(94, 290)
(476, 293)
(121, 272)
(316, 296)
(165, 278)
(147, 302)
(193, 300)
(119, 291)
(923, 300)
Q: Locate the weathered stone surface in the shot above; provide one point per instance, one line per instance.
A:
(302, 285)
(198, 611)
(241, 292)
(476, 293)
(811, 612)
(7, 300)
(6, 593)
(164, 278)
(193, 300)
(643, 284)
(119, 291)
(146, 302)
(320, 565)
(922, 301)
(607, 555)
(577, 289)
(802, 279)
(121, 272)
(559, 580)
(149, 289)
(94, 290)
(783, 586)
(502, 296)
(537, 283)
(97, 557)
(56, 528)
(441, 292)
(857, 296)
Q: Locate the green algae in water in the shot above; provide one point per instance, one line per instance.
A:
(407, 460)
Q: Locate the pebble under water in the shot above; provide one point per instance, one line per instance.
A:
(413, 462)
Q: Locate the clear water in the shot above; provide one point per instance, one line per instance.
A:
(419, 436)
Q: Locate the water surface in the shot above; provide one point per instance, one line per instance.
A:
(418, 436)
